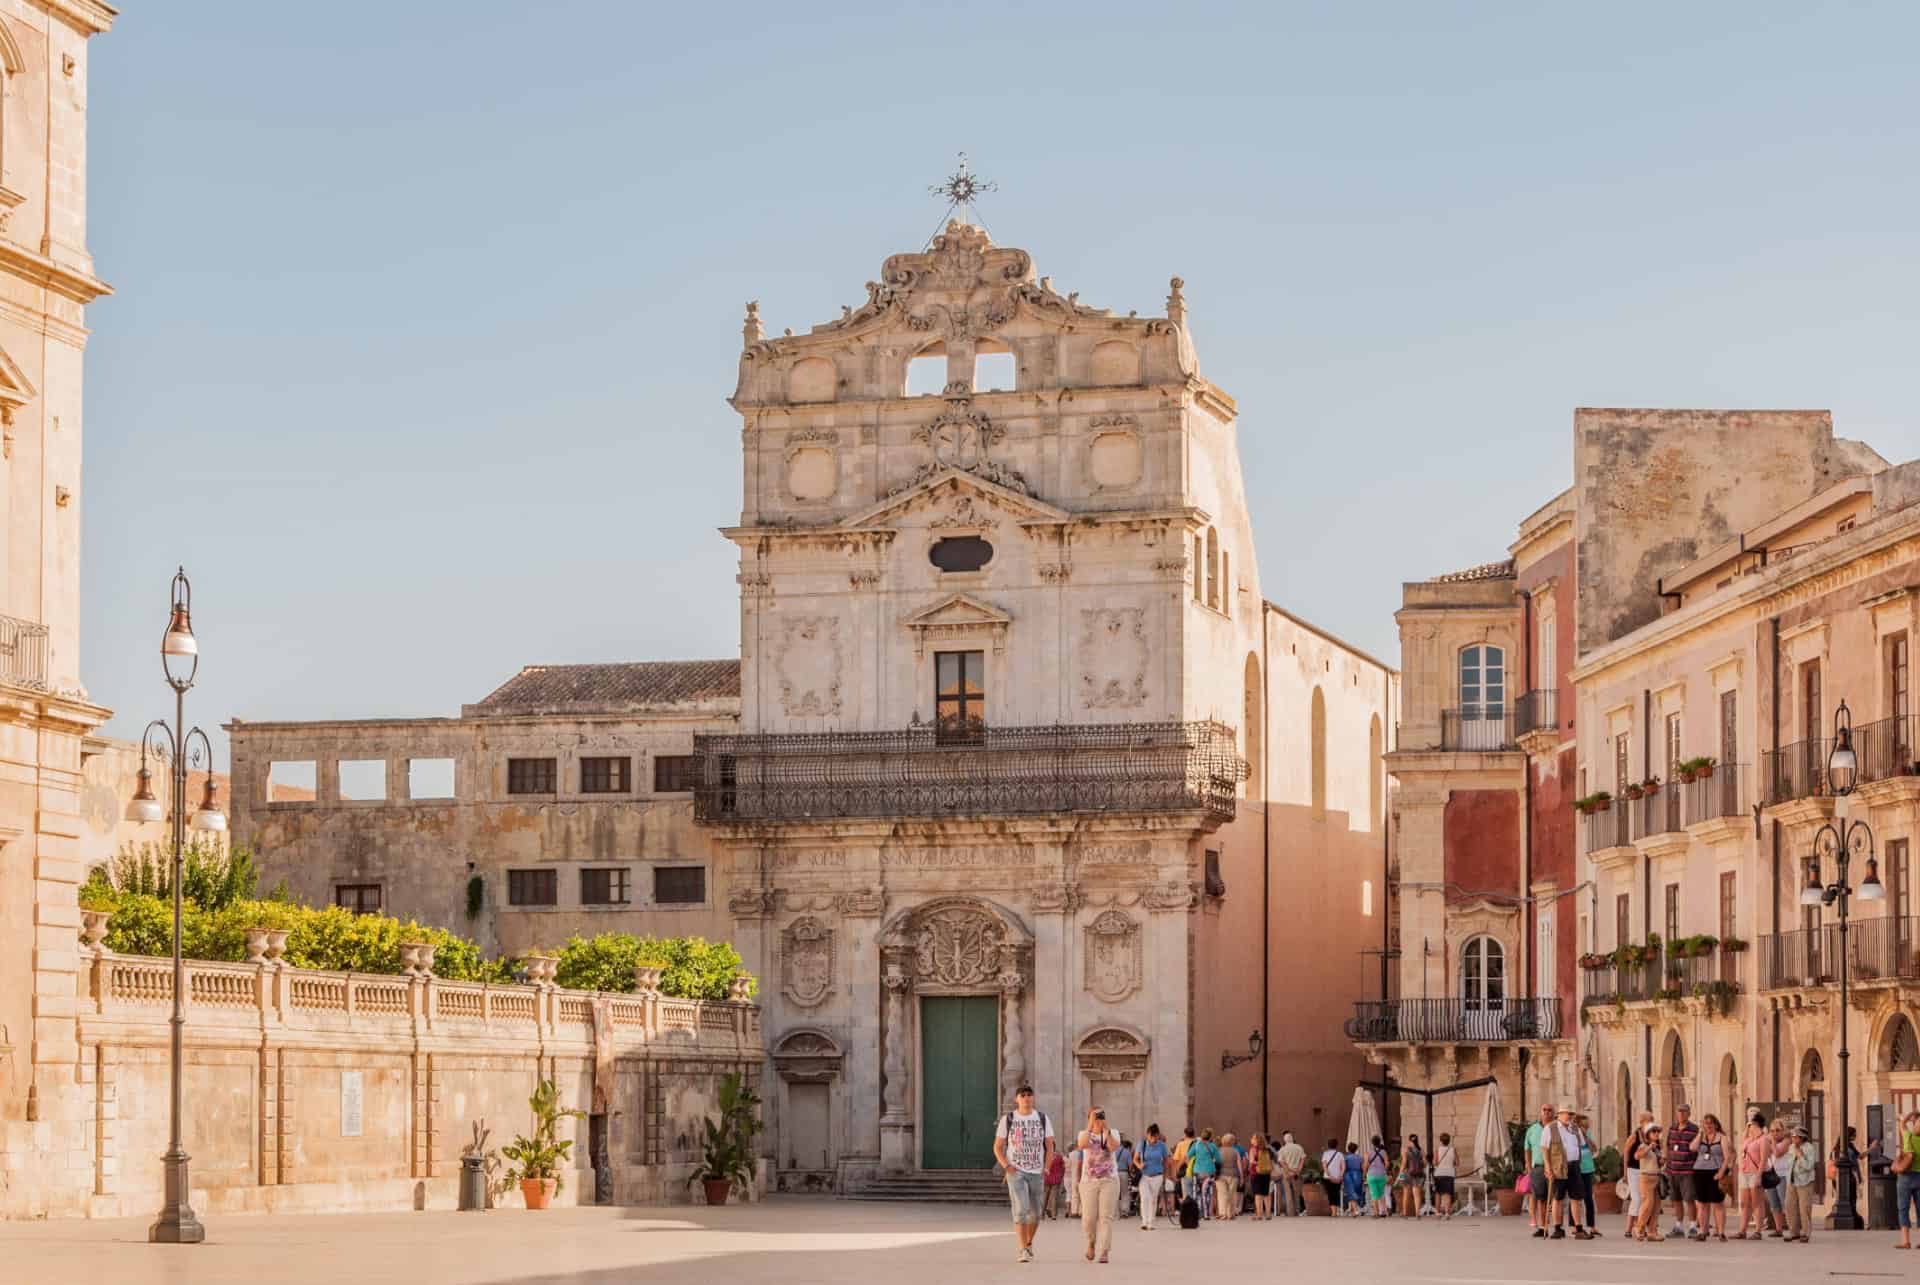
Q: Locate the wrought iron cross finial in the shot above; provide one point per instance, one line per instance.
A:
(960, 190)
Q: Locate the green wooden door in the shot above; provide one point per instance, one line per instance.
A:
(959, 1046)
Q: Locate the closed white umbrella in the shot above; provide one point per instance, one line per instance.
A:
(1490, 1135)
(1364, 1124)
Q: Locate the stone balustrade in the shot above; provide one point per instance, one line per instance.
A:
(313, 1091)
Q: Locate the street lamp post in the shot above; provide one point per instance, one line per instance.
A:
(1844, 839)
(178, 746)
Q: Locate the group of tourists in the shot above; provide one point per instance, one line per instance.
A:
(1374, 1183)
(1693, 1169)
(1100, 1176)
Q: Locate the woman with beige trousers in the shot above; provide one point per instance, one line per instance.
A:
(1099, 1183)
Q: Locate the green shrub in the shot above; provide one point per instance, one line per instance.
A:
(691, 967)
(213, 876)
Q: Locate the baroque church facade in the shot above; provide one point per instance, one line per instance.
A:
(1001, 806)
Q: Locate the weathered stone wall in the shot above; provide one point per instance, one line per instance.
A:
(1657, 488)
(317, 1092)
(422, 853)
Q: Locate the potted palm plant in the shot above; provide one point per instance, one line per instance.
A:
(726, 1153)
(537, 1161)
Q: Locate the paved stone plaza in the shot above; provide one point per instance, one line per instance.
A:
(797, 1240)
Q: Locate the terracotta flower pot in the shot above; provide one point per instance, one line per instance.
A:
(1606, 1199)
(1509, 1201)
(1316, 1201)
(538, 1192)
(717, 1189)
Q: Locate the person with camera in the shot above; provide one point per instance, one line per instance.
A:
(1099, 1149)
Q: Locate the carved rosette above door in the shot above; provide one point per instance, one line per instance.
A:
(1113, 957)
(1112, 1052)
(806, 961)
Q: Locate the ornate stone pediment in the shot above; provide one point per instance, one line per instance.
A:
(956, 615)
(956, 943)
(808, 1056)
(948, 485)
(1112, 1052)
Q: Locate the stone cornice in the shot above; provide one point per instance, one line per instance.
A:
(1720, 830)
(57, 277)
(50, 711)
(88, 17)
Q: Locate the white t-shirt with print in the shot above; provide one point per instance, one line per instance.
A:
(1026, 1140)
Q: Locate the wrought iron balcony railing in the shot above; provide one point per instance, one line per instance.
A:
(1610, 829)
(1713, 794)
(23, 653)
(1478, 727)
(1454, 1021)
(1886, 749)
(1878, 949)
(920, 772)
(1657, 813)
(1537, 711)
(1796, 771)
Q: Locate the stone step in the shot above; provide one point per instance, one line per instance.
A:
(955, 1186)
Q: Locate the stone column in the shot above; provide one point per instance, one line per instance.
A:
(1013, 1040)
(896, 1111)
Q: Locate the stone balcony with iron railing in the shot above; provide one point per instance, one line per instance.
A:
(1485, 729)
(1712, 803)
(1705, 981)
(1884, 950)
(1454, 1021)
(23, 654)
(924, 772)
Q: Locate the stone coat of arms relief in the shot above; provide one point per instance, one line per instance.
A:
(806, 962)
(1113, 955)
(1113, 657)
(958, 946)
(808, 666)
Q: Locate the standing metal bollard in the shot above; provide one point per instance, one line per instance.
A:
(473, 1183)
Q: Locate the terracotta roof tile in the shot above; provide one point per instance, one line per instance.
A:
(617, 686)
(1485, 571)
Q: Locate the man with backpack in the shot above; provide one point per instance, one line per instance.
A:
(1023, 1146)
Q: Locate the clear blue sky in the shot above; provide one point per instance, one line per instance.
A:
(427, 311)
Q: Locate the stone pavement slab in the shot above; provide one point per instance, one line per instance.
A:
(804, 1241)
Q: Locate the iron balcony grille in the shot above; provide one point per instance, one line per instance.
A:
(1454, 1021)
(1885, 749)
(23, 653)
(1877, 949)
(1478, 727)
(1669, 975)
(924, 772)
(1537, 711)
(1657, 813)
(1609, 829)
(1796, 771)
(1714, 794)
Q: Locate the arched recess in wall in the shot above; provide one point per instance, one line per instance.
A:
(1318, 726)
(1375, 770)
(1729, 1086)
(1251, 720)
(1899, 1051)
(1673, 1059)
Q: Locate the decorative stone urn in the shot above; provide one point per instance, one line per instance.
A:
(256, 945)
(416, 958)
(93, 929)
(427, 950)
(740, 989)
(646, 981)
(276, 944)
(541, 969)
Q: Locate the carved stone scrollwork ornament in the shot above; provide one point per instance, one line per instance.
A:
(1112, 1053)
(1172, 894)
(808, 1057)
(958, 946)
(1054, 899)
(806, 962)
(1056, 572)
(961, 438)
(864, 904)
(752, 903)
(967, 511)
(1113, 957)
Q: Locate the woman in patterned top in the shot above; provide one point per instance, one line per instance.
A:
(1099, 1183)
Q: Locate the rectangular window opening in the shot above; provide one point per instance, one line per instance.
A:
(607, 887)
(533, 887)
(606, 775)
(674, 773)
(959, 697)
(994, 372)
(927, 374)
(679, 885)
(360, 898)
(429, 778)
(294, 781)
(363, 780)
(530, 776)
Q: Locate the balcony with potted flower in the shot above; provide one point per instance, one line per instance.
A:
(1609, 833)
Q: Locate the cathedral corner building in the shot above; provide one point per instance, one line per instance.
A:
(1031, 783)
